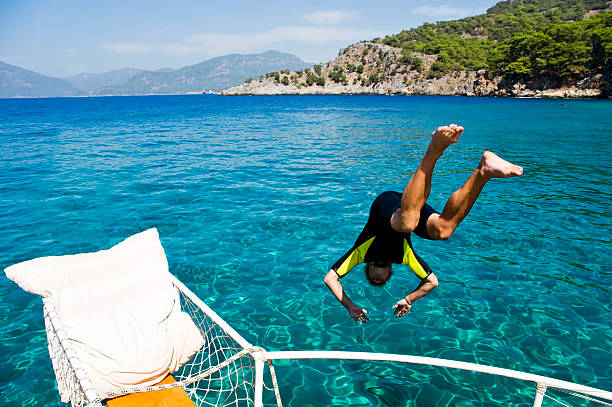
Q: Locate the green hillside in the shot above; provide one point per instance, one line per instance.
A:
(563, 40)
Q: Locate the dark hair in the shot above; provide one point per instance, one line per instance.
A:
(367, 275)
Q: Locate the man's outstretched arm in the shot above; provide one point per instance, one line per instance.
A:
(333, 283)
(425, 286)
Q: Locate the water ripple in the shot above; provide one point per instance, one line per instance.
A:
(255, 198)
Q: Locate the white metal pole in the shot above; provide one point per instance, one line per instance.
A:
(259, 371)
(544, 381)
(539, 397)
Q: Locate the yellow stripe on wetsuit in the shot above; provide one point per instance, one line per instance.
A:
(356, 257)
(412, 262)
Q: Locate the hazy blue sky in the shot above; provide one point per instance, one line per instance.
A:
(64, 38)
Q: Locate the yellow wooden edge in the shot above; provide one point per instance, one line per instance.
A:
(175, 397)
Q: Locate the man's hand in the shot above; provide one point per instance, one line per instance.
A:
(358, 314)
(333, 283)
(402, 307)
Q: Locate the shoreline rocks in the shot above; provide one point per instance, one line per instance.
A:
(377, 69)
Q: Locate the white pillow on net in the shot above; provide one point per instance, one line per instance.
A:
(119, 309)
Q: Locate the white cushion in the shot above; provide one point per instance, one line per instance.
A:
(119, 309)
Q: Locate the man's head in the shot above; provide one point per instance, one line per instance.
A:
(378, 272)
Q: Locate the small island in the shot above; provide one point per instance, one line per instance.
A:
(530, 48)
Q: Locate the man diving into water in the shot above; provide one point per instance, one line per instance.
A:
(385, 239)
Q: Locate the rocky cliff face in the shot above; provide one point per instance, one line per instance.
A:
(372, 68)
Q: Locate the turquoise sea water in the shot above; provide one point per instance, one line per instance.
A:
(255, 197)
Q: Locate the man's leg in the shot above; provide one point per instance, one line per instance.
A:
(417, 191)
(461, 201)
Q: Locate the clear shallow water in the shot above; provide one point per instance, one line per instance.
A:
(255, 198)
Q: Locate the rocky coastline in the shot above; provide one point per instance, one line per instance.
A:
(377, 69)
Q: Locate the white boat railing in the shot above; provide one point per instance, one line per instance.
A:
(542, 382)
(221, 373)
(262, 356)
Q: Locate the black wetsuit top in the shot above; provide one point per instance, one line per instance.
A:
(380, 242)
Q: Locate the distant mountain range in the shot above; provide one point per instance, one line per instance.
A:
(19, 82)
(213, 75)
(90, 82)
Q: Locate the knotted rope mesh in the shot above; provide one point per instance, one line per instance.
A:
(67, 383)
(221, 373)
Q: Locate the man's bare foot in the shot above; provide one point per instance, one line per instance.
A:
(444, 136)
(492, 166)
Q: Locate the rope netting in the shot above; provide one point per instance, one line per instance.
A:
(68, 386)
(221, 373)
(232, 370)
